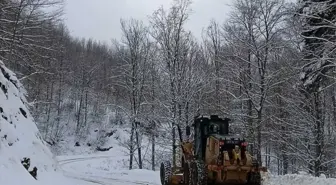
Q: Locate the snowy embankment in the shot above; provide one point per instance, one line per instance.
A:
(295, 179)
(20, 138)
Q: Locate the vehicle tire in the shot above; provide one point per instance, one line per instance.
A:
(202, 173)
(187, 173)
(254, 178)
(199, 173)
(165, 173)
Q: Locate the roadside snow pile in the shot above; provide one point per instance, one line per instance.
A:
(295, 179)
(20, 138)
(113, 138)
(106, 169)
(117, 144)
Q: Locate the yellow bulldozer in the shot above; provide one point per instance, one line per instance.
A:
(212, 157)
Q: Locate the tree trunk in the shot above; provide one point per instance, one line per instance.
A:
(334, 106)
(285, 163)
(258, 147)
(217, 83)
(86, 108)
(59, 110)
(269, 157)
(138, 143)
(319, 141)
(78, 126)
(131, 146)
(174, 110)
(49, 100)
(251, 131)
(153, 147)
(174, 145)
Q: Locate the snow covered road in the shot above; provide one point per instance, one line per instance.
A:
(111, 170)
(105, 170)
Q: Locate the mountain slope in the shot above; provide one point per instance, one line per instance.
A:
(19, 136)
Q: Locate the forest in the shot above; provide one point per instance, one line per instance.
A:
(269, 67)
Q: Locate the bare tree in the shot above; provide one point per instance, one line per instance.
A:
(168, 31)
(213, 43)
(252, 32)
(135, 58)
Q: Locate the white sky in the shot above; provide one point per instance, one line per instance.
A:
(100, 19)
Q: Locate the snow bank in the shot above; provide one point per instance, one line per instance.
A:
(20, 138)
(295, 179)
(106, 169)
(67, 145)
(117, 143)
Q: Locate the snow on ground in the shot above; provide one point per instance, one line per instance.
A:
(106, 169)
(117, 141)
(110, 170)
(296, 179)
(110, 167)
(19, 138)
(67, 146)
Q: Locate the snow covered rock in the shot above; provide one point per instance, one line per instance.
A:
(19, 136)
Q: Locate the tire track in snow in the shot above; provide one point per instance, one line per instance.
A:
(80, 159)
(105, 180)
(84, 179)
(92, 178)
(123, 180)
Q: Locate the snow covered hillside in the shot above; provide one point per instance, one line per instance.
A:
(116, 144)
(20, 138)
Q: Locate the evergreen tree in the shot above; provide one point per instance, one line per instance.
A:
(318, 31)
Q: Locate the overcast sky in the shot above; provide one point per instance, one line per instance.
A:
(100, 19)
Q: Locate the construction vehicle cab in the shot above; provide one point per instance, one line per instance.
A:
(214, 156)
(205, 127)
